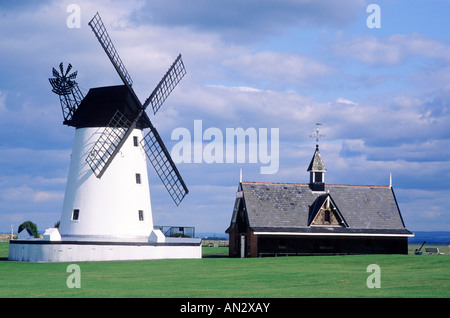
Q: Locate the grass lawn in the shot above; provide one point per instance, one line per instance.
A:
(307, 276)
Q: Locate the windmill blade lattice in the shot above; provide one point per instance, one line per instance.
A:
(100, 32)
(166, 85)
(108, 143)
(165, 167)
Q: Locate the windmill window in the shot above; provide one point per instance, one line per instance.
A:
(75, 214)
(138, 178)
(135, 141)
(141, 215)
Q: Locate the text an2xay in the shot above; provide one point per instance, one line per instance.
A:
(246, 307)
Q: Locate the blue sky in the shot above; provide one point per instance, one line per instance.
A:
(382, 95)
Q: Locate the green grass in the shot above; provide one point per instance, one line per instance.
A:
(4, 248)
(222, 250)
(442, 248)
(308, 276)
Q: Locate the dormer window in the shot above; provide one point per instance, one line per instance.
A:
(325, 213)
(326, 216)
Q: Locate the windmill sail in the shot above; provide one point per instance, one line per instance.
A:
(165, 167)
(120, 127)
(166, 85)
(100, 32)
(112, 138)
(109, 143)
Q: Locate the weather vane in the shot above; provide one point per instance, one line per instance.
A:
(316, 134)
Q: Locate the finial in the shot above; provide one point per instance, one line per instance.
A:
(240, 175)
(390, 180)
(317, 135)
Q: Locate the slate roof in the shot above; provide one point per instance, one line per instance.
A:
(285, 207)
(101, 103)
(316, 163)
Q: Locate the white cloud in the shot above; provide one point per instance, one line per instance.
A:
(392, 50)
(30, 197)
(422, 209)
(421, 151)
(31, 161)
(26, 193)
(250, 20)
(3, 109)
(342, 100)
(279, 68)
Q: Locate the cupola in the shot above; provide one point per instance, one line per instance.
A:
(317, 171)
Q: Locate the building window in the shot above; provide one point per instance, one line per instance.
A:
(138, 178)
(141, 215)
(75, 214)
(327, 216)
(135, 141)
(318, 177)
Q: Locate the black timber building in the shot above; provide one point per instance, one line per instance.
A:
(271, 219)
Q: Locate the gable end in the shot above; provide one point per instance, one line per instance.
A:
(324, 212)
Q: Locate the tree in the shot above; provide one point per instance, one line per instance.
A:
(29, 225)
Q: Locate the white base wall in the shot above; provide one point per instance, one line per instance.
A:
(99, 251)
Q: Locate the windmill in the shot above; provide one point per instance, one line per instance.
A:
(106, 193)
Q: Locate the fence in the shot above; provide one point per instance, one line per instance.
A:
(215, 243)
(177, 231)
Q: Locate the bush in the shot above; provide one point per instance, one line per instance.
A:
(29, 225)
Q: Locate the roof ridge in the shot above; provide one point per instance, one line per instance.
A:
(358, 185)
(263, 182)
(327, 184)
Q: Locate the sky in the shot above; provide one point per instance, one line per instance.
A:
(378, 81)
